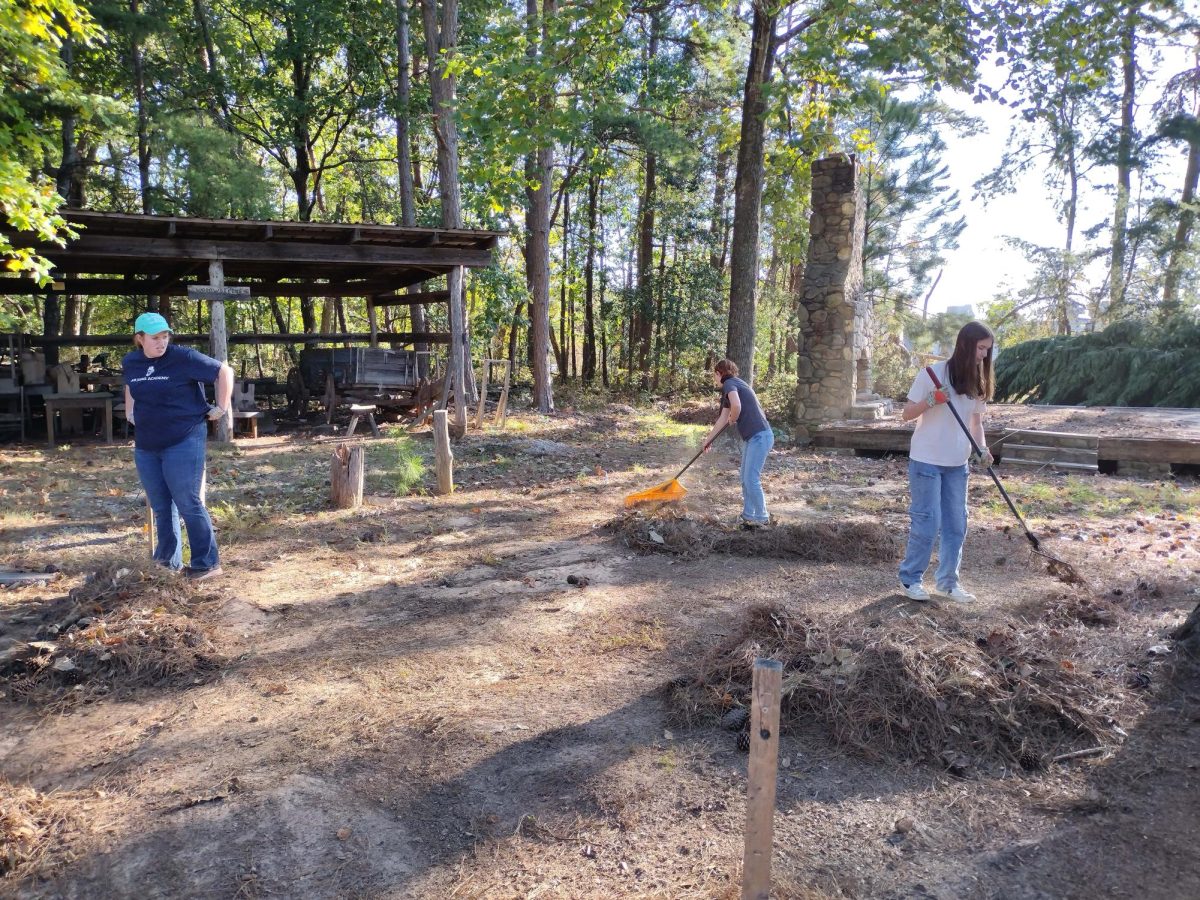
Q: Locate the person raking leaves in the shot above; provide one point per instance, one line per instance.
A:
(938, 457)
(165, 403)
(740, 406)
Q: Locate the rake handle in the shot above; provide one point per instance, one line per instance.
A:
(974, 446)
(701, 451)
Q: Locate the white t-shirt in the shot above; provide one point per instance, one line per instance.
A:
(938, 439)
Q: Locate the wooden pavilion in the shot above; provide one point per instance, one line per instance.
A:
(161, 257)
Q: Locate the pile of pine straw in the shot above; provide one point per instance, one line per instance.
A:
(914, 689)
(122, 629)
(31, 824)
(671, 530)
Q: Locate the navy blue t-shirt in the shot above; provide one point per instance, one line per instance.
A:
(751, 419)
(168, 397)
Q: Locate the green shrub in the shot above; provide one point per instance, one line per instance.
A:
(1131, 363)
(401, 463)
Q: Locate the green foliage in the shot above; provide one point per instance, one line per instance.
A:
(401, 464)
(35, 87)
(1131, 363)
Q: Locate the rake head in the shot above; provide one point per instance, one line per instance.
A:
(666, 492)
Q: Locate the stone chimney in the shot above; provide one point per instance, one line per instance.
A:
(834, 368)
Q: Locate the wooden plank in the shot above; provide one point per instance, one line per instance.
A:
(171, 285)
(411, 299)
(119, 340)
(760, 786)
(1152, 450)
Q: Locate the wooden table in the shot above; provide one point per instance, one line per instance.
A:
(96, 400)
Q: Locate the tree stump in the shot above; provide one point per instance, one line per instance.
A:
(442, 455)
(346, 470)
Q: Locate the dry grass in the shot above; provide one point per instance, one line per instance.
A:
(123, 629)
(914, 689)
(669, 530)
(31, 825)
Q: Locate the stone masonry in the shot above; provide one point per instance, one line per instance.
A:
(835, 317)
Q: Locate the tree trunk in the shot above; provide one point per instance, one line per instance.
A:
(716, 257)
(644, 311)
(404, 159)
(589, 286)
(560, 351)
(143, 114)
(539, 169)
(1183, 232)
(1116, 270)
(441, 40)
(747, 192)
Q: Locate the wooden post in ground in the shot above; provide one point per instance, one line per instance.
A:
(502, 408)
(483, 388)
(150, 526)
(760, 789)
(218, 342)
(442, 454)
(346, 470)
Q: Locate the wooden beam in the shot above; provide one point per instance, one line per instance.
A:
(410, 299)
(1153, 450)
(169, 283)
(116, 340)
(86, 252)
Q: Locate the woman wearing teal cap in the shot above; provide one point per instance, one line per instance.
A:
(165, 402)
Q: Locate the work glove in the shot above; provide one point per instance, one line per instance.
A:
(983, 458)
(938, 396)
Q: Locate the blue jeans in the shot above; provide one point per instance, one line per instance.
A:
(939, 504)
(754, 457)
(174, 479)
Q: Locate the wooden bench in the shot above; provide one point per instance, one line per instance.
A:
(357, 411)
(251, 417)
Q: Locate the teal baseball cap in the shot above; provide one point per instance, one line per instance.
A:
(150, 323)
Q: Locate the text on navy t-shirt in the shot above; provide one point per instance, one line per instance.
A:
(168, 393)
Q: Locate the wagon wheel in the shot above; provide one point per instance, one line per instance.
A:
(330, 398)
(297, 393)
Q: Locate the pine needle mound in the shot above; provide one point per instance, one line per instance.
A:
(1131, 363)
(31, 824)
(670, 530)
(122, 629)
(914, 690)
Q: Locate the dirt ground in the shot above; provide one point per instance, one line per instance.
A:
(463, 696)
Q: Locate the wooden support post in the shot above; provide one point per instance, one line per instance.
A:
(458, 349)
(346, 469)
(502, 409)
(760, 789)
(442, 454)
(218, 342)
(373, 320)
(483, 388)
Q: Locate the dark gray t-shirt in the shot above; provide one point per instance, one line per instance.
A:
(751, 420)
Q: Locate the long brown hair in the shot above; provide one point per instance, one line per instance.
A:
(966, 376)
(726, 368)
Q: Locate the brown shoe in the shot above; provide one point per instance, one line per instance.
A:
(201, 574)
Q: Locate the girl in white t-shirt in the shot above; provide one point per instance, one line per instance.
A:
(937, 460)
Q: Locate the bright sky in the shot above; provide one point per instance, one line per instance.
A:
(983, 264)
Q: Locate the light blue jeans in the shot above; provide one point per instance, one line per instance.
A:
(754, 457)
(173, 479)
(939, 505)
